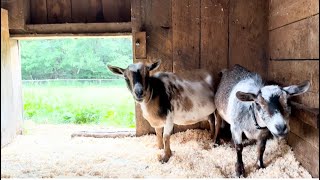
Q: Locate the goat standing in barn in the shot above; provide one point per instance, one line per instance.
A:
(254, 109)
(168, 98)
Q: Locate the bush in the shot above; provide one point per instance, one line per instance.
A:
(111, 106)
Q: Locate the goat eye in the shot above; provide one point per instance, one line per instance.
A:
(258, 106)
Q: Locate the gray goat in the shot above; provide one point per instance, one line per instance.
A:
(254, 109)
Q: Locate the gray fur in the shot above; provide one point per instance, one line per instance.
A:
(243, 114)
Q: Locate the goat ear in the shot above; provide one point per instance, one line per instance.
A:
(242, 96)
(154, 66)
(295, 90)
(116, 70)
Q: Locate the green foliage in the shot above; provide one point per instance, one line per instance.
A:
(74, 58)
(107, 105)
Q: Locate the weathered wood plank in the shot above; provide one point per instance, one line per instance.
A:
(137, 18)
(248, 35)
(79, 28)
(305, 153)
(153, 17)
(95, 12)
(296, 72)
(11, 94)
(116, 11)
(69, 35)
(79, 9)
(140, 45)
(299, 40)
(18, 13)
(186, 35)
(283, 12)
(38, 11)
(104, 134)
(305, 131)
(186, 41)
(214, 38)
(214, 35)
(59, 11)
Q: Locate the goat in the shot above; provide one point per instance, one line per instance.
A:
(168, 98)
(254, 109)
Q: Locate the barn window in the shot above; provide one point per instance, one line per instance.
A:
(66, 81)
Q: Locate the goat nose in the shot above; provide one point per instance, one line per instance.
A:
(138, 92)
(281, 128)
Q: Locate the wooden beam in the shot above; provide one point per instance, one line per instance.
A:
(305, 114)
(18, 12)
(68, 35)
(78, 28)
(104, 134)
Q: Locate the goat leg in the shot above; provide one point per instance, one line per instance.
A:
(239, 164)
(166, 141)
(261, 147)
(159, 132)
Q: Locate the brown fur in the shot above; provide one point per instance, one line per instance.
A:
(186, 104)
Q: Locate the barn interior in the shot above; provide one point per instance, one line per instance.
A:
(279, 39)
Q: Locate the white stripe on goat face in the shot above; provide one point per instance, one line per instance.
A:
(271, 111)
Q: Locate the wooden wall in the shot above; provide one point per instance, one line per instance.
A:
(11, 94)
(68, 16)
(294, 57)
(211, 34)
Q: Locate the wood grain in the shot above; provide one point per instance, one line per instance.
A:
(288, 73)
(59, 11)
(95, 11)
(283, 12)
(186, 35)
(299, 40)
(79, 28)
(38, 9)
(248, 35)
(305, 153)
(305, 131)
(79, 11)
(116, 11)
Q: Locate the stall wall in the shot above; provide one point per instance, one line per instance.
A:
(294, 57)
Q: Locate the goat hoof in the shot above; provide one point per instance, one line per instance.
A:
(239, 169)
(165, 158)
(262, 166)
(160, 146)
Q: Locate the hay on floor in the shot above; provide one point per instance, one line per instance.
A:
(50, 152)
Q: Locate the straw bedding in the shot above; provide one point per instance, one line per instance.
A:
(49, 151)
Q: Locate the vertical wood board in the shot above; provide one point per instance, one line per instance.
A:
(59, 11)
(38, 11)
(95, 11)
(248, 35)
(116, 11)
(79, 9)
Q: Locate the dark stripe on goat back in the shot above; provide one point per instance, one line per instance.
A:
(159, 91)
(230, 78)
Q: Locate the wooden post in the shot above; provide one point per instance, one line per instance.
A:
(11, 95)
